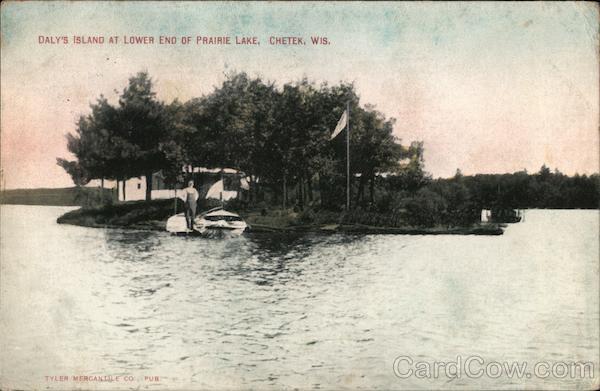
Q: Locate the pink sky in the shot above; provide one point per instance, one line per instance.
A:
(489, 88)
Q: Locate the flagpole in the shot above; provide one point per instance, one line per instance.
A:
(348, 156)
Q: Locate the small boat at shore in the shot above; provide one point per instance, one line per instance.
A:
(501, 215)
(217, 220)
(221, 220)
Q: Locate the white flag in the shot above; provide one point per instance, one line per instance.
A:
(340, 125)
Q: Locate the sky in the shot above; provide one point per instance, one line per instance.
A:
(488, 87)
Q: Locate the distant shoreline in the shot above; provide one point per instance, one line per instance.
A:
(64, 196)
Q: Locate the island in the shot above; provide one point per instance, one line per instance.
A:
(143, 215)
(291, 157)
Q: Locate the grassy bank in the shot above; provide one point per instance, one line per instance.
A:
(354, 222)
(135, 215)
(153, 215)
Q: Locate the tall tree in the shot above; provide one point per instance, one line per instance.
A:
(134, 138)
(232, 126)
(175, 143)
(375, 150)
(144, 123)
(99, 151)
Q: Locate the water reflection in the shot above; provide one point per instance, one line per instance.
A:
(304, 311)
(263, 259)
(121, 242)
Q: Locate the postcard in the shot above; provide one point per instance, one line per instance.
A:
(299, 195)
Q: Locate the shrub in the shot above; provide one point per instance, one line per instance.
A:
(425, 209)
(90, 197)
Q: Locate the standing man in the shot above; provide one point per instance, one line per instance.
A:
(191, 197)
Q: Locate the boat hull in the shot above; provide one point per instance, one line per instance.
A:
(177, 225)
(221, 226)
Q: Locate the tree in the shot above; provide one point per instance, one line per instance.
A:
(74, 169)
(280, 138)
(299, 139)
(232, 125)
(144, 124)
(374, 149)
(132, 139)
(98, 150)
(174, 146)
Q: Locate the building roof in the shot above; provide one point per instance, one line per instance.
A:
(213, 170)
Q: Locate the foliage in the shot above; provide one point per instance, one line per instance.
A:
(458, 201)
(544, 189)
(137, 137)
(280, 138)
(94, 197)
(128, 214)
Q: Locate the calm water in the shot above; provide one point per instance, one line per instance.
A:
(292, 311)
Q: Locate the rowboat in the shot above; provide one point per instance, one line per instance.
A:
(213, 220)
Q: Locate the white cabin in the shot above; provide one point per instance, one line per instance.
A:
(486, 215)
(207, 181)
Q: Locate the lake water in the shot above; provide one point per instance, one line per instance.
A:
(276, 311)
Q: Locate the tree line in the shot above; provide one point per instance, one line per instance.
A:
(458, 201)
(278, 136)
(543, 189)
